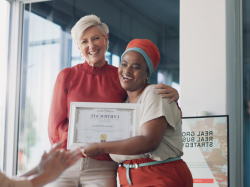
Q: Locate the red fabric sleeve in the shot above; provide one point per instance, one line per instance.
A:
(58, 122)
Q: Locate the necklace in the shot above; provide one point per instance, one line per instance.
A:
(138, 96)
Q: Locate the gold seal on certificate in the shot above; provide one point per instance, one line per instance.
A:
(101, 122)
(103, 137)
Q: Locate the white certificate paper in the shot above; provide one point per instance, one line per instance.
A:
(101, 122)
(93, 124)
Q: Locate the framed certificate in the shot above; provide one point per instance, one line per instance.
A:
(100, 122)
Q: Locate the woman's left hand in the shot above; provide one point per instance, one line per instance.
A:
(91, 150)
(167, 91)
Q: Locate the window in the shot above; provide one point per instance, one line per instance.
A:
(48, 48)
(4, 17)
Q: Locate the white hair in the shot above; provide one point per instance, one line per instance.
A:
(85, 23)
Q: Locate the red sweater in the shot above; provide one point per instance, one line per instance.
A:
(82, 83)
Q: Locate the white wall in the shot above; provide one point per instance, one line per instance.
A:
(202, 56)
(210, 68)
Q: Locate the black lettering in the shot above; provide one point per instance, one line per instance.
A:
(192, 139)
(206, 133)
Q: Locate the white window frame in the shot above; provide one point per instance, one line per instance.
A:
(13, 87)
(2, 135)
(11, 127)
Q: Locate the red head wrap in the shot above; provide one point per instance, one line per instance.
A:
(150, 50)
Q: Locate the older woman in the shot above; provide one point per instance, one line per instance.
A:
(154, 157)
(93, 81)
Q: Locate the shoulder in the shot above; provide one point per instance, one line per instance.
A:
(113, 71)
(70, 72)
(63, 76)
(154, 102)
(64, 72)
(154, 106)
(150, 95)
(113, 68)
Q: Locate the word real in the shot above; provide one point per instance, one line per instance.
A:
(197, 139)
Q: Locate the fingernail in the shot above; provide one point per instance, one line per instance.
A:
(156, 92)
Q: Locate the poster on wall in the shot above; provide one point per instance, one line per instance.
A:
(205, 147)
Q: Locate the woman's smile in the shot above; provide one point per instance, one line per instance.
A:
(126, 78)
(133, 72)
(94, 52)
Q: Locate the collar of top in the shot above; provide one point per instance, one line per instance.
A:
(96, 70)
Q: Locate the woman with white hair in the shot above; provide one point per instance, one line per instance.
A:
(93, 81)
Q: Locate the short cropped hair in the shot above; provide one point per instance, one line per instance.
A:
(85, 23)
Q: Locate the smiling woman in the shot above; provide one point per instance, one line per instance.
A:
(93, 45)
(133, 73)
(157, 150)
(91, 37)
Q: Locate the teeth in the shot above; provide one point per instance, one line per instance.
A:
(92, 53)
(127, 77)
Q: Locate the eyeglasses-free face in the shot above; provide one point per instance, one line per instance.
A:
(93, 46)
(133, 71)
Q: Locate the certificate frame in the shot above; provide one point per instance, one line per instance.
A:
(75, 106)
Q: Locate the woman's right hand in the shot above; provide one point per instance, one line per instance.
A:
(54, 163)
